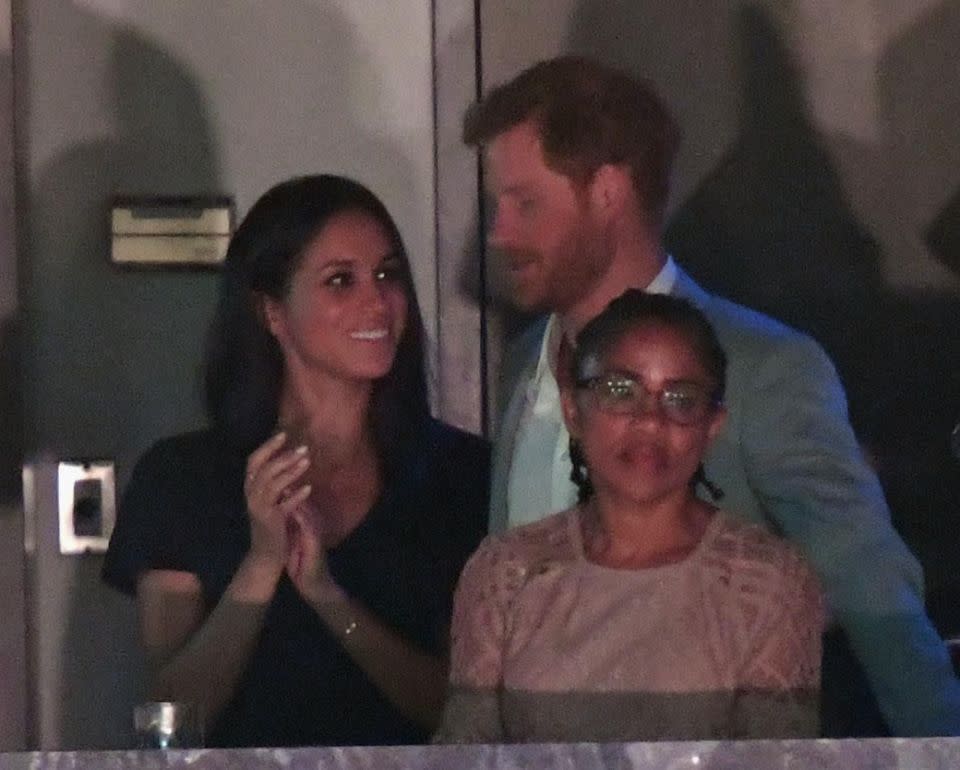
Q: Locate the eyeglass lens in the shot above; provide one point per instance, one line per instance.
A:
(683, 403)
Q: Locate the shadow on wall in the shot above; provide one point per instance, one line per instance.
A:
(919, 100)
(686, 49)
(108, 346)
(918, 75)
(943, 234)
(11, 424)
(301, 95)
(770, 226)
(297, 91)
(11, 428)
(111, 355)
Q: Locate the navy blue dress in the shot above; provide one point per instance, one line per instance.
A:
(184, 510)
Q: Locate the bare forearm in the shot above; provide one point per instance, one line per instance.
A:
(207, 668)
(412, 680)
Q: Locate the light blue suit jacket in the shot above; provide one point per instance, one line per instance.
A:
(788, 458)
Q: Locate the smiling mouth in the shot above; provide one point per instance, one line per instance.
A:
(372, 334)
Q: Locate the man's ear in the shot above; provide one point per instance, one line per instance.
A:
(610, 189)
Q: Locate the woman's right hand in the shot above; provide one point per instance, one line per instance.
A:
(274, 489)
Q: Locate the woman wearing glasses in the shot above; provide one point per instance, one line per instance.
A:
(643, 613)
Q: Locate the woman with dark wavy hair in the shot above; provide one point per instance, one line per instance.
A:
(294, 563)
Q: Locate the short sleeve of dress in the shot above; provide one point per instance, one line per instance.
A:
(778, 695)
(446, 520)
(156, 524)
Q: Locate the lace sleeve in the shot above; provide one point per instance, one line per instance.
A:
(472, 710)
(779, 691)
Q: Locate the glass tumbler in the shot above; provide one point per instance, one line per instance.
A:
(167, 725)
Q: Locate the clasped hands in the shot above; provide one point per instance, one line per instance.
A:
(282, 529)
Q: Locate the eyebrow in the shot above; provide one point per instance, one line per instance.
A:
(517, 188)
(625, 373)
(390, 256)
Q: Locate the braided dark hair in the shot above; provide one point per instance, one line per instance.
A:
(628, 311)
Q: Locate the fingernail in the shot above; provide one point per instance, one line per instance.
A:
(302, 449)
(280, 435)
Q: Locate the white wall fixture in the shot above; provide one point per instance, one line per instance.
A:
(170, 232)
(86, 500)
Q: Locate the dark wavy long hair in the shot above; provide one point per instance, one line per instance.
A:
(244, 368)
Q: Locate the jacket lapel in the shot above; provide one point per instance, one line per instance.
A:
(684, 286)
(519, 366)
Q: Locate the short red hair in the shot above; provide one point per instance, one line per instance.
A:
(588, 115)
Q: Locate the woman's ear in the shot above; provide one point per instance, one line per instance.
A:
(271, 315)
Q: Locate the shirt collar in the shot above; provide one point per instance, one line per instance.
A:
(662, 283)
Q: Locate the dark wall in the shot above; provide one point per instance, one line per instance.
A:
(12, 640)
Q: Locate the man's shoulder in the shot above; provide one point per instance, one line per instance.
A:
(729, 317)
(743, 330)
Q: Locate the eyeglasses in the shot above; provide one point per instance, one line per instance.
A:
(682, 402)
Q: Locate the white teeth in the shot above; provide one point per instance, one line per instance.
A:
(372, 334)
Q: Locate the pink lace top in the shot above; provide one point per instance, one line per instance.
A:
(548, 646)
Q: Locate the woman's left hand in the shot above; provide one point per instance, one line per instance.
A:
(307, 562)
